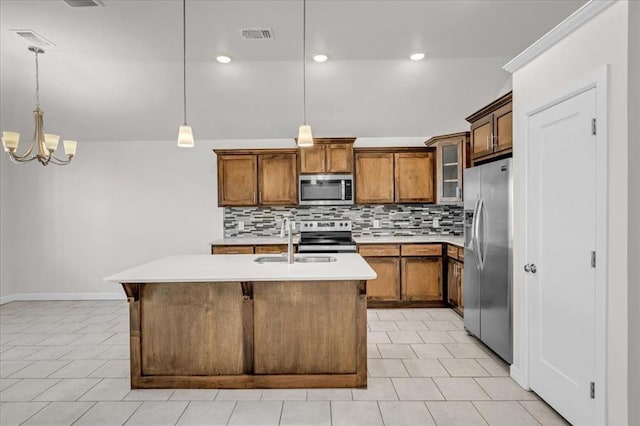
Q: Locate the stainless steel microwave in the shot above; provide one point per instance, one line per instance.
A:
(325, 190)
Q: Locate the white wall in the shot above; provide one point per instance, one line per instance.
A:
(603, 40)
(634, 212)
(118, 204)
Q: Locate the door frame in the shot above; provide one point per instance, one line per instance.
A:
(597, 79)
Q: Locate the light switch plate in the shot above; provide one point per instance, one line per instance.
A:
(240, 226)
(376, 223)
(436, 223)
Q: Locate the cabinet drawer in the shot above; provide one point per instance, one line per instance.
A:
(452, 251)
(376, 250)
(461, 254)
(271, 249)
(232, 250)
(421, 250)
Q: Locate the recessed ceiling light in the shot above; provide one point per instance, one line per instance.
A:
(320, 58)
(223, 59)
(416, 56)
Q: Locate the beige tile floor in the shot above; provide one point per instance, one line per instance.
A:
(67, 362)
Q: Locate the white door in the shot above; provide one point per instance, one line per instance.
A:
(561, 221)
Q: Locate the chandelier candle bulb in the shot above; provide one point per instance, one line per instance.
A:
(305, 138)
(70, 148)
(10, 140)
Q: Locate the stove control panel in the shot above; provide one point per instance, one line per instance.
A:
(325, 225)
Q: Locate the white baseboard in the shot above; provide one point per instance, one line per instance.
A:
(518, 376)
(61, 296)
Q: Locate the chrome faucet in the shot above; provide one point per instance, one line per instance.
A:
(287, 225)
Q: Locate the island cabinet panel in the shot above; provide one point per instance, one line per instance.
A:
(237, 183)
(374, 178)
(387, 285)
(277, 179)
(414, 176)
(191, 329)
(421, 278)
(297, 325)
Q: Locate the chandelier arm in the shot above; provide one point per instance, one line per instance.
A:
(20, 158)
(55, 160)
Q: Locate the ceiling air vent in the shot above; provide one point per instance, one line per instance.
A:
(84, 3)
(257, 33)
(33, 38)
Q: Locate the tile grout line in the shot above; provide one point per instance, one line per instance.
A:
(27, 419)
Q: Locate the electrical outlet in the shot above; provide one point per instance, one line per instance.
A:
(436, 223)
(293, 225)
(376, 223)
(240, 226)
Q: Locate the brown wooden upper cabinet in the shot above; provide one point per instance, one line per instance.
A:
(491, 130)
(388, 175)
(257, 177)
(327, 155)
(451, 160)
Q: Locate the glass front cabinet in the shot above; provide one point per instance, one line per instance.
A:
(451, 160)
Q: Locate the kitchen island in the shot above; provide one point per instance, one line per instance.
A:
(227, 321)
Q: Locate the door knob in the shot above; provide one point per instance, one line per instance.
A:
(530, 267)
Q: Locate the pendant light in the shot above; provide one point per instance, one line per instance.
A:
(305, 138)
(185, 135)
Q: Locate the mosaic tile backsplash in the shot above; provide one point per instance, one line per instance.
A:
(399, 219)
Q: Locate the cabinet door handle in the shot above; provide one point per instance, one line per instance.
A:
(260, 196)
(254, 196)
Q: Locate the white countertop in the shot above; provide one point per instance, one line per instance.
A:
(413, 239)
(241, 267)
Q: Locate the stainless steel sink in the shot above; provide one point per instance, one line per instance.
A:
(271, 259)
(315, 259)
(298, 259)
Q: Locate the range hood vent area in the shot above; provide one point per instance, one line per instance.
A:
(33, 38)
(257, 33)
(84, 3)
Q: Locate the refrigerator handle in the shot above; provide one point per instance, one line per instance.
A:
(474, 235)
(478, 241)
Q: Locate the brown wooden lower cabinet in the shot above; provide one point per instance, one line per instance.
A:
(259, 249)
(387, 286)
(284, 334)
(422, 278)
(231, 249)
(409, 275)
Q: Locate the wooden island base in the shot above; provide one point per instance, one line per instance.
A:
(285, 334)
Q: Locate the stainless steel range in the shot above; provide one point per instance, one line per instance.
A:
(326, 236)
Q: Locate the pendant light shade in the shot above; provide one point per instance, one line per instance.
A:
(305, 138)
(185, 137)
(185, 134)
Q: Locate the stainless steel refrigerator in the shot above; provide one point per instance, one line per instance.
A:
(488, 206)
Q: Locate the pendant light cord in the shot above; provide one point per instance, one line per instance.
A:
(37, 82)
(304, 61)
(184, 58)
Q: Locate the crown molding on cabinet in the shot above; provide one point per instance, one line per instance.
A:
(559, 32)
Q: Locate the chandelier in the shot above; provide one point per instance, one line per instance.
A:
(46, 143)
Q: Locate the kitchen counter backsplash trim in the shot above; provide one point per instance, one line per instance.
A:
(395, 220)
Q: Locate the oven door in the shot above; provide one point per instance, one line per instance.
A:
(325, 190)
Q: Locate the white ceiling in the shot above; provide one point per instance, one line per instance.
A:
(116, 71)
